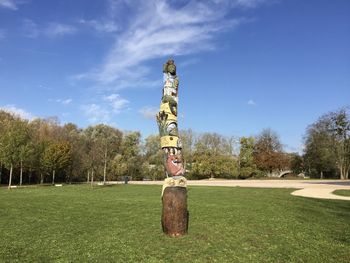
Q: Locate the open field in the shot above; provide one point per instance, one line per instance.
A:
(122, 224)
(342, 192)
(308, 188)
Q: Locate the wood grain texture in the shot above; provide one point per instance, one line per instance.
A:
(175, 214)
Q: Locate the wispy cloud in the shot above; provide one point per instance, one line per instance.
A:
(148, 112)
(251, 102)
(64, 101)
(157, 29)
(17, 111)
(8, 4)
(116, 102)
(107, 26)
(51, 30)
(96, 113)
(103, 112)
(58, 29)
(111, 21)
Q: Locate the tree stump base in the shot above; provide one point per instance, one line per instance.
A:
(175, 214)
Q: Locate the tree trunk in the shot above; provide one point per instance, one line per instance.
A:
(0, 172)
(53, 176)
(175, 214)
(88, 177)
(105, 168)
(21, 175)
(41, 178)
(321, 175)
(92, 177)
(10, 178)
(104, 172)
(30, 176)
(341, 169)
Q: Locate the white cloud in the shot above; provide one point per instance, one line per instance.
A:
(116, 102)
(52, 30)
(107, 26)
(149, 112)
(17, 111)
(67, 101)
(243, 3)
(9, 4)
(251, 102)
(64, 102)
(104, 111)
(96, 114)
(158, 29)
(57, 30)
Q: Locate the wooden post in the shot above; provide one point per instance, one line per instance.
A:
(175, 214)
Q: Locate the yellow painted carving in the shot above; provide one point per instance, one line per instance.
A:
(169, 141)
(166, 108)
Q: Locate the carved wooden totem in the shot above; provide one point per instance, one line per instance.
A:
(174, 194)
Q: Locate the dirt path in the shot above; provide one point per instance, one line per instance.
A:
(307, 188)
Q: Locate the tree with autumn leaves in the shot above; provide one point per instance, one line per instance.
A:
(43, 151)
(268, 153)
(57, 156)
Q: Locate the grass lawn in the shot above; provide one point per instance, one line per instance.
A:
(342, 192)
(122, 224)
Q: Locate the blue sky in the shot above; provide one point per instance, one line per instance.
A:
(244, 65)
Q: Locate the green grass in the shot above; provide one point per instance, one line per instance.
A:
(342, 192)
(122, 224)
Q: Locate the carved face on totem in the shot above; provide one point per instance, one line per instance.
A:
(170, 67)
(174, 165)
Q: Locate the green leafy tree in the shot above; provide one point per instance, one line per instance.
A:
(130, 150)
(43, 132)
(5, 117)
(153, 166)
(14, 137)
(340, 132)
(327, 145)
(25, 151)
(104, 144)
(188, 138)
(247, 167)
(57, 156)
(213, 157)
(297, 163)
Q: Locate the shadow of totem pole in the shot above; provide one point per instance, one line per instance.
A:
(174, 194)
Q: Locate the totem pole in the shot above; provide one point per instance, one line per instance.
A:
(174, 193)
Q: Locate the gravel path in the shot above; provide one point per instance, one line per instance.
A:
(308, 188)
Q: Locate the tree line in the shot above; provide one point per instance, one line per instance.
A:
(43, 151)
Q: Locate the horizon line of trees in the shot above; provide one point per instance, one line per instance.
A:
(43, 151)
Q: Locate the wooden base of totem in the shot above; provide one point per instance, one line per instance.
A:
(175, 214)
